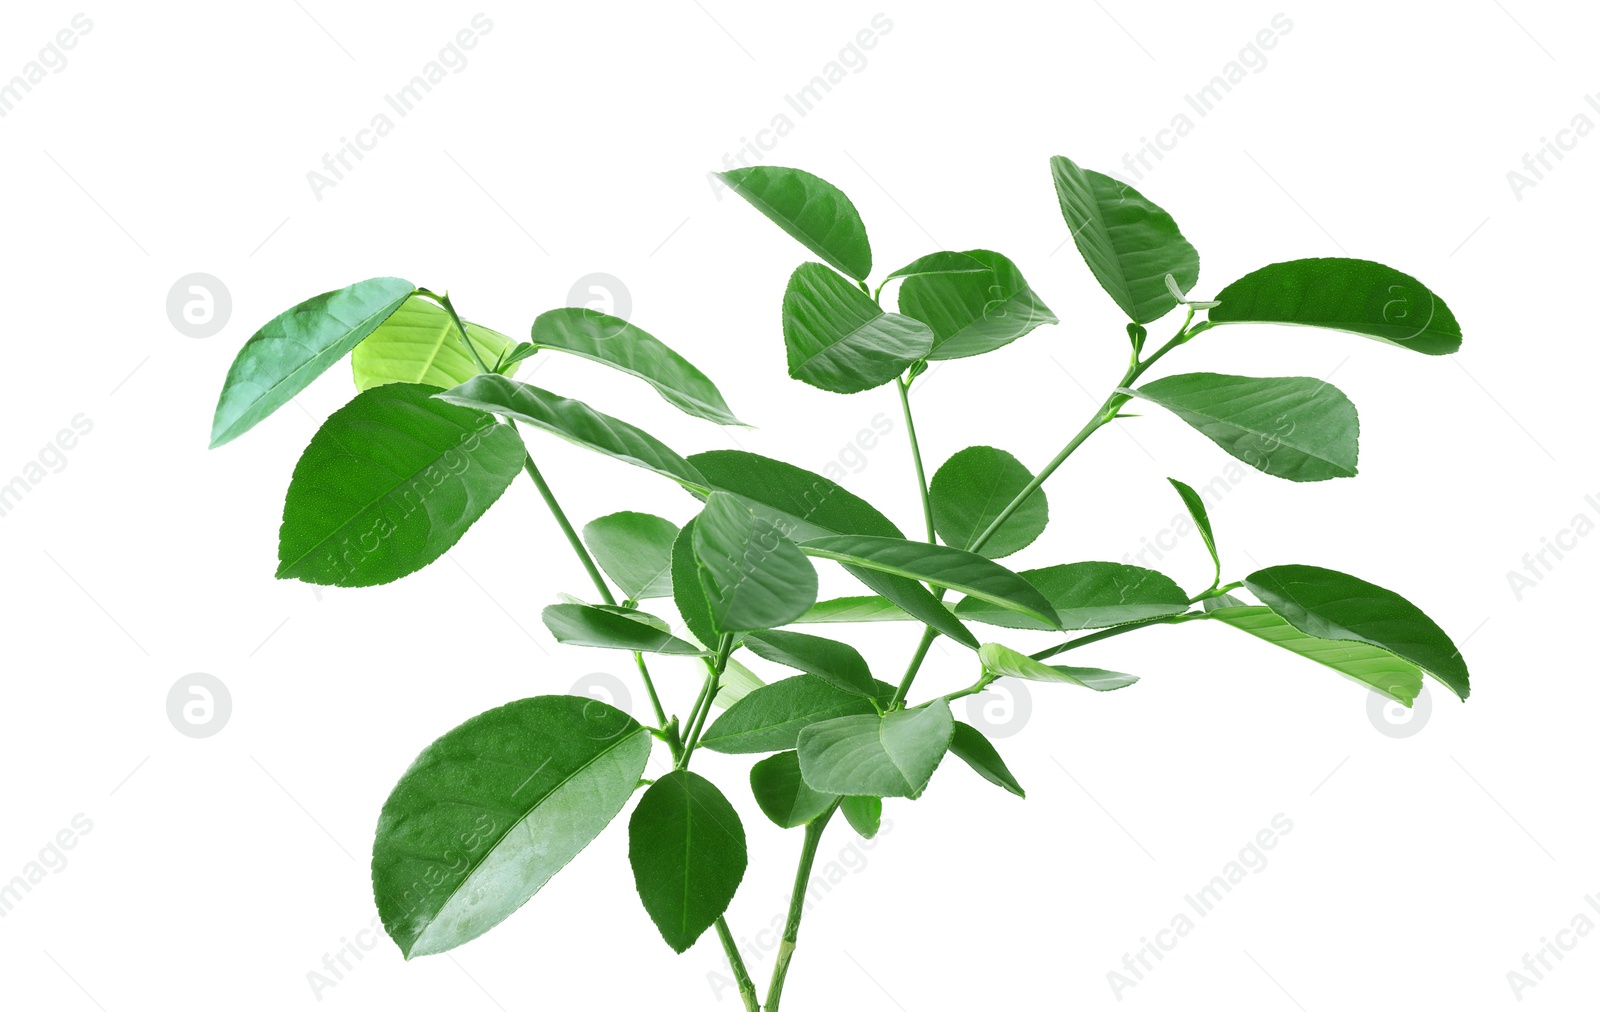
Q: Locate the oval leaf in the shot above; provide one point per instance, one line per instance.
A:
(944, 262)
(1379, 670)
(892, 756)
(1002, 660)
(809, 208)
(770, 718)
(783, 795)
(864, 813)
(837, 337)
(971, 747)
(635, 550)
(1088, 595)
(585, 625)
(970, 490)
(836, 663)
(807, 504)
(753, 576)
(686, 845)
(970, 313)
(419, 343)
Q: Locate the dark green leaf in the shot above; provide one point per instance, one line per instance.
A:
(837, 663)
(1202, 523)
(944, 262)
(753, 576)
(837, 337)
(388, 484)
(489, 812)
(1293, 427)
(783, 795)
(809, 208)
(971, 747)
(864, 813)
(687, 591)
(297, 346)
(1380, 670)
(586, 625)
(419, 343)
(806, 504)
(1088, 595)
(1334, 606)
(770, 718)
(1001, 660)
(970, 314)
(1358, 296)
(687, 849)
(892, 756)
(969, 491)
(635, 550)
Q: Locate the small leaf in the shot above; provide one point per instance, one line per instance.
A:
(587, 625)
(809, 208)
(1202, 523)
(971, 314)
(753, 576)
(944, 262)
(838, 339)
(419, 343)
(1129, 243)
(892, 756)
(862, 608)
(783, 795)
(1335, 606)
(1293, 427)
(1001, 660)
(388, 484)
(737, 682)
(1380, 670)
(298, 345)
(687, 849)
(687, 591)
(574, 421)
(836, 663)
(971, 747)
(489, 812)
(1357, 296)
(1088, 595)
(770, 718)
(635, 550)
(619, 344)
(968, 493)
(864, 813)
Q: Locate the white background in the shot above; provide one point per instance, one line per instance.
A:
(219, 871)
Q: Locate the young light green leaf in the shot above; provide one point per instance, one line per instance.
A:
(837, 337)
(1380, 670)
(737, 682)
(587, 625)
(944, 262)
(619, 344)
(1202, 523)
(489, 812)
(298, 345)
(864, 813)
(575, 421)
(687, 591)
(635, 550)
(1335, 606)
(1293, 427)
(1088, 595)
(861, 608)
(1357, 296)
(809, 208)
(1002, 660)
(753, 576)
(770, 718)
(419, 343)
(686, 845)
(971, 314)
(1221, 601)
(1129, 243)
(971, 747)
(836, 663)
(388, 484)
(783, 795)
(892, 756)
(969, 491)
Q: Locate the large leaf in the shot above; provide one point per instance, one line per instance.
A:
(804, 503)
(943, 262)
(838, 339)
(388, 484)
(1335, 606)
(1129, 243)
(575, 421)
(783, 795)
(1202, 522)
(1380, 670)
(489, 812)
(686, 845)
(626, 348)
(1293, 427)
(940, 566)
(298, 345)
(586, 625)
(770, 718)
(419, 343)
(688, 593)
(970, 490)
(1000, 660)
(837, 663)
(973, 313)
(753, 576)
(809, 208)
(892, 756)
(971, 747)
(635, 550)
(1337, 293)
(1088, 595)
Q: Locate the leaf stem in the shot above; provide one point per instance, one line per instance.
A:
(904, 387)
(747, 987)
(1117, 630)
(797, 905)
(461, 328)
(708, 694)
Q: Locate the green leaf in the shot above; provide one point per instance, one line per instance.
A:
(587, 625)
(737, 682)
(770, 718)
(1129, 243)
(509, 360)
(838, 339)
(974, 313)
(809, 208)
(892, 756)
(687, 849)
(687, 591)
(298, 345)
(1088, 595)
(619, 344)
(1202, 523)
(837, 663)
(419, 343)
(489, 812)
(969, 491)
(1221, 601)
(575, 421)
(1294, 427)
(1357, 296)
(1335, 606)
(971, 747)
(1001, 660)
(944, 262)
(753, 576)
(388, 484)
(1380, 670)
(864, 813)
(635, 550)
(783, 795)
(940, 566)
(862, 608)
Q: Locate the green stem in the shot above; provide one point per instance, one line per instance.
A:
(1105, 634)
(916, 456)
(917, 658)
(797, 906)
(747, 987)
(461, 328)
(708, 695)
